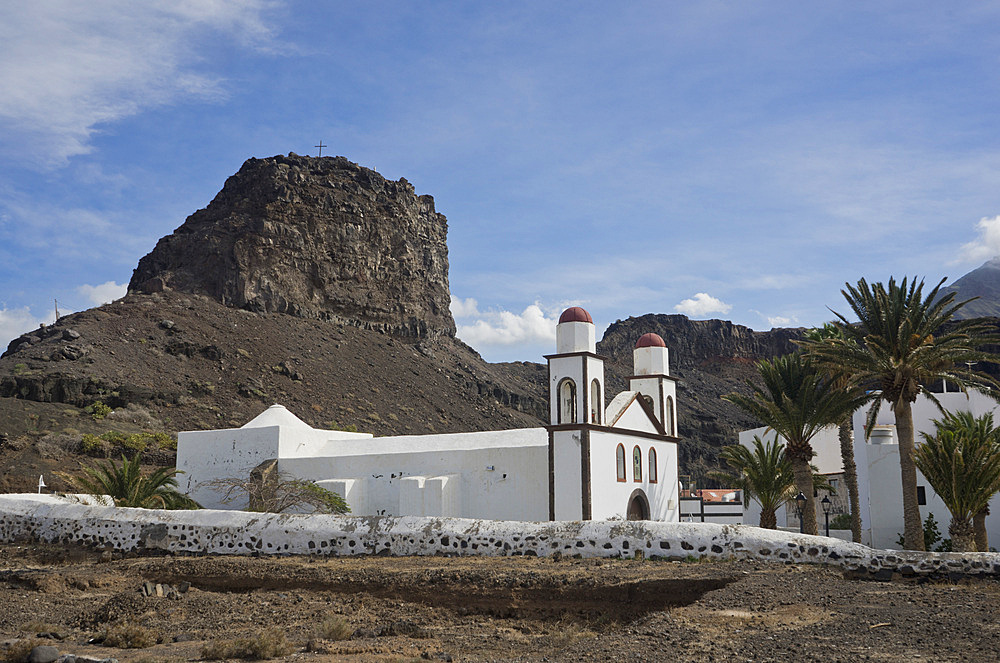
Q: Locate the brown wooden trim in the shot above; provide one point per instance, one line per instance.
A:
(585, 473)
(653, 375)
(552, 400)
(615, 431)
(576, 354)
(585, 369)
(552, 478)
(652, 416)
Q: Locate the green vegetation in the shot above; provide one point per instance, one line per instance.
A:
(895, 350)
(841, 521)
(763, 474)
(931, 535)
(105, 443)
(126, 484)
(797, 401)
(98, 410)
(961, 461)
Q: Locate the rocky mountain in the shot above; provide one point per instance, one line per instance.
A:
(982, 282)
(314, 238)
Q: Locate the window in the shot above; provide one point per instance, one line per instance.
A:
(921, 496)
(652, 465)
(668, 416)
(567, 402)
(620, 462)
(637, 464)
(596, 402)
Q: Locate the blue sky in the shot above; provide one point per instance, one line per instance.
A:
(726, 160)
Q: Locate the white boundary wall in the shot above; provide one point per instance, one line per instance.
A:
(52, 519)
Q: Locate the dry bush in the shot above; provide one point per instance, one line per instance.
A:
(18, 652)
(568, 633)
(129, 636)
(267, 644)
(335, 628)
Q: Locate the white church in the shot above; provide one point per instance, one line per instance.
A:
(590, 462)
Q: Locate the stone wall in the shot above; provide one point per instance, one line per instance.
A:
(52, 519)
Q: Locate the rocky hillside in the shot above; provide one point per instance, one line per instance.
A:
(314, 238)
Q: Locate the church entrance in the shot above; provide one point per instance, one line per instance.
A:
(638, 506)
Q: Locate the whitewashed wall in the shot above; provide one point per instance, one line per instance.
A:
(50, 519)
(495, 474)
(609, 497)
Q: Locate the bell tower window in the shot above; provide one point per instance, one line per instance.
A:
(567, 402)
(596, 402)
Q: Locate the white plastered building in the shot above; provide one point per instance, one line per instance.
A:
(877, 460)
(590, 462)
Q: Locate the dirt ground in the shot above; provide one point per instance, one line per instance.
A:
(479, 609)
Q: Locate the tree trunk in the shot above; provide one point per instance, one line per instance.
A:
(913, 530)
(979, 527)
(963, 539)
(804, 484)
(851, 477)
(768, 519)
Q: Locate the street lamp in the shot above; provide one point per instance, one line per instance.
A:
(800, 506)
(827, 505)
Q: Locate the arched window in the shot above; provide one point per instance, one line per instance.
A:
(668, 416)
(596, 402)
(620, 461)
(652, 465)
(567, 402)
(637, 464)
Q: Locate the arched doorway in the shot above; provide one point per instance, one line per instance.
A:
(638, 506)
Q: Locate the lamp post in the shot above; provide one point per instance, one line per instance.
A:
(827, 505)
(800, 507)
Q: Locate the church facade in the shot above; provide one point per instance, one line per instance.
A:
(590, 462)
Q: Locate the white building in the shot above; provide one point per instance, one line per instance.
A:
(877, 459)
(590, 462)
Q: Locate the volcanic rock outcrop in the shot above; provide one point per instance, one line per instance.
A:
(315, 238)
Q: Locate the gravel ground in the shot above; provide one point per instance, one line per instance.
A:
(477, 609)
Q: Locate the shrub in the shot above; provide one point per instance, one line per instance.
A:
(841, 521)
(94, 445)
(165, 441)
(129, 636)
(98, 410)
(335, 628)
(137, 441)
(270, 643)
(113, 436)
(17, 652)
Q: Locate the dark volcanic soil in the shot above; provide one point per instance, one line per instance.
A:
(476, 609)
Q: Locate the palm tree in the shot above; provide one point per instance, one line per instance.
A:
(797, 401)
(896, 348)
(763, 474)
(961, 461)
(128, 487)
(845, 434)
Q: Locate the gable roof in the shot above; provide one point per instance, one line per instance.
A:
(277, 415)
(626, 401)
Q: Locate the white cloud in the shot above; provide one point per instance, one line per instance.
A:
(987, 245)
(104, 293)
(702, 304)
(14, 322)
(67, 67)
(464, 308)
(506, 328)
